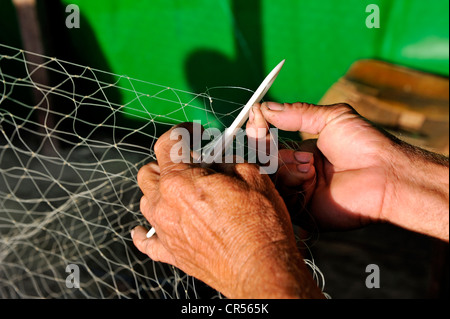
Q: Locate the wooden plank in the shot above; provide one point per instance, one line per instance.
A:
(412, 105)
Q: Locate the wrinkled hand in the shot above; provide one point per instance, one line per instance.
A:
(351, 164)
(362, 174)
(228, 227)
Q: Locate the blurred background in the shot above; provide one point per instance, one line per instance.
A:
(397, 75)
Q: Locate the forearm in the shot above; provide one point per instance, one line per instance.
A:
(417, 196)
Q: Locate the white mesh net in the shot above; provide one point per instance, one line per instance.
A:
(69, 156)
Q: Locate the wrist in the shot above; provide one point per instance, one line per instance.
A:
(277, 271)
(417, 196)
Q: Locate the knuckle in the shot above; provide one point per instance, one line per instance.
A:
(248, 168)
(151, 251)
(250, 173)
(343, 108)
(141, 174)
(145, 182)
(146, 172)
(296, 105)
(158, 143)
(183, 183)
(173, 183)
(143, 204)
(147, 185)
(299, 106)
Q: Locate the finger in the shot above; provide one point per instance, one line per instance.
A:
(321, 163)
(293, 175)
(147, 207)
(294, 183)
(257, 127)
(148, 180)
(287, 156)
(173, 148)
(302, 117)
(294, 167)
(250, 173)
(152, 247)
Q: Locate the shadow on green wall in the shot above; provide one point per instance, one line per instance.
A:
(210, 70)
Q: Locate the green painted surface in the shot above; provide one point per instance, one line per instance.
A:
(196, 45)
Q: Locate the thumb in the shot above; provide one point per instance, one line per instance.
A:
(307, 118)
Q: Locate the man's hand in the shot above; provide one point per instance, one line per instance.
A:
(363, 174)
(227, 227)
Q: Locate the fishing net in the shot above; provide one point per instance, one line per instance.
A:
(72, 139)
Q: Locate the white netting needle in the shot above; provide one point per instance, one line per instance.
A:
(151, 232)
(220, 144)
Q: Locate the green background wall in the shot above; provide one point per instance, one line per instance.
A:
(194, 45)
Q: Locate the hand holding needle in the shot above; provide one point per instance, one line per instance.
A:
(219, 145)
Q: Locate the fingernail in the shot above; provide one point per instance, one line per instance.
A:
(303, 157)
(132, 233)
(303, 168)
(273, 106)
(251, 115)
